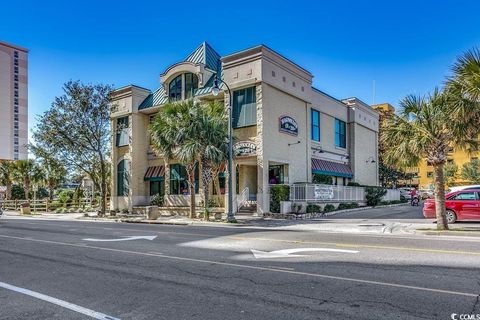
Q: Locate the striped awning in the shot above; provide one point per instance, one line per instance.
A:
(331, 168)
(154, 173)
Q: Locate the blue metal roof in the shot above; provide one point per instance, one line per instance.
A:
(205, 54)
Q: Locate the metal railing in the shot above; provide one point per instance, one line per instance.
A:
(243, 197)
(309, 192)
(325, 193)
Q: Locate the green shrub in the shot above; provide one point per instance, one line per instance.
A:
(278, 193)
(322, 179)
(297, 207)
(354, 205)
(329, 208)
(353, 184)
(65, 196)
(374, 195)
(125, 210)
(343, 206)
(64, 210)
(58, 210)
(72, 210)
(312, 207)
(17, 192)
(157, 200)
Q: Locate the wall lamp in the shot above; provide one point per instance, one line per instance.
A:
(319, 150)
(370, 160)
(291, 144)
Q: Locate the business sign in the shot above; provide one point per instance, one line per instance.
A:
(244, 149)
(288, 125)
(323, 192)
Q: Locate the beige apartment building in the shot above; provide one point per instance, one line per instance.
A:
(286, 131)
(13, 102)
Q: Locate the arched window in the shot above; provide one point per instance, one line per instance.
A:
(191, 84)
(122, 178)
(175, 89)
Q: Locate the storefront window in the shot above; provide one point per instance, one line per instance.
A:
(179, 180)
(157, 187)
(276, 174)
(244, 107)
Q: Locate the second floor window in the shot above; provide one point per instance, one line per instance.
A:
(244, 107)
(191, 84)
(122, 132)
(315, 114)
(340, 134)
(175, 89)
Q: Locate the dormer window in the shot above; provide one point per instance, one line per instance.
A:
(183, 87)
(191, 84)
(175, 89)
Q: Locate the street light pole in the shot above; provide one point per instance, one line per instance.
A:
(215, 91)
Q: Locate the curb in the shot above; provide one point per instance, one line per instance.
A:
(156, 222)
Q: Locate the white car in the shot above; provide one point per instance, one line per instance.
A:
(460, 188)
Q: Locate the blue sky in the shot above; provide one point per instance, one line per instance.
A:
(405, 46)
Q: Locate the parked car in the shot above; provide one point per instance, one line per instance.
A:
(426, 194)
(461, 205)
(458, 188)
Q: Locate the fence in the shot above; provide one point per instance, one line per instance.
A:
(47, 205)
(331, 193)
(325, 193)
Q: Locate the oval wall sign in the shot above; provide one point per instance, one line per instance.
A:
(244, 149)
(288, 125)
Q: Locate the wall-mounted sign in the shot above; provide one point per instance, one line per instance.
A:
(288, 125)
(244, 149)
(323, 192)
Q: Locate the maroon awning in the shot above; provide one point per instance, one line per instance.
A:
(331, 168)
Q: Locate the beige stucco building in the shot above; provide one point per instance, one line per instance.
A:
(13, 102)
(286, 130)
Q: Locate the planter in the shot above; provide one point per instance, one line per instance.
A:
(25, 208)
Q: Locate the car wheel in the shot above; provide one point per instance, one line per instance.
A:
(451, 216)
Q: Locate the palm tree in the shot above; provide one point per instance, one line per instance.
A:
(191, 133)
(427, 127)
(213, 138)
(6, 177)
(55, 172)
(27, 172)
(173, 137)
(465, 81)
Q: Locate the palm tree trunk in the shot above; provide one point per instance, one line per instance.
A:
(190, 168)
(8, 194)
(440, 209)
(26, 188)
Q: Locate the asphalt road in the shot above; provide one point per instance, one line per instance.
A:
(49, 271)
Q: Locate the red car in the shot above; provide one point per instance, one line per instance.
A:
(461, 205)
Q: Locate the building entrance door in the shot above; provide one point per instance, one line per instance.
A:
(247, 178)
